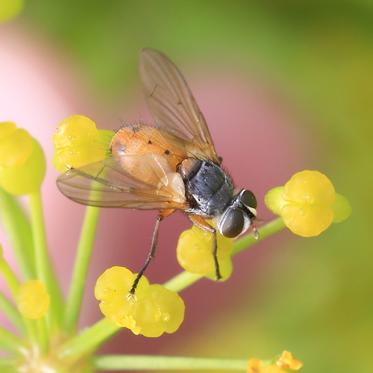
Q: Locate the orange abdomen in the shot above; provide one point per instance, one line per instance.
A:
(132, 145)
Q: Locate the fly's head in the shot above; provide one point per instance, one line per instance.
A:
(238, 217)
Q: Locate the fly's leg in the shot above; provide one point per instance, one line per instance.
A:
(152, 249)
(203, 224)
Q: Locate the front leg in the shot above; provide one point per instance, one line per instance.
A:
(162, 214)
(204, 225)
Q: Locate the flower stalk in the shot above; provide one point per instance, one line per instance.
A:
(42, 262)
(9, 342)
(146, 362)
(11, 312)
(82, 260)
(17, 227)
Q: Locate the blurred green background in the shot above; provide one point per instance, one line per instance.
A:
(318, 301)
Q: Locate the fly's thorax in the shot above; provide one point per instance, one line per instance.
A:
(208, 188)
(239, 215)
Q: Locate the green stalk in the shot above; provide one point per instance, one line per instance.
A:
(18, 230)
(11, 312)
(7, 365)
(144, 362)
(82, 260)
(9, 277)
(42, 333)
(9, 342)
(89, 339)
(43, 264)
(265, 231)
(93, 336)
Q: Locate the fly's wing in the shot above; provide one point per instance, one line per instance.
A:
(150, 184)
(172, 104)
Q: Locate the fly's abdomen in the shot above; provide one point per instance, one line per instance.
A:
(208, 188)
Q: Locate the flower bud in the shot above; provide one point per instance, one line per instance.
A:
(22, 161)
(151, 311)
(195, 253)
(78, 142)
(308, 203)
(33, 300)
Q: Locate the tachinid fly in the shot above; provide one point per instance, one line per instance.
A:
(167, 167)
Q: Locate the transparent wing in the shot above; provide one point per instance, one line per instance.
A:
(147, 184)
(172, 104)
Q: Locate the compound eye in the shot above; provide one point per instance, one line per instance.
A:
(232, 223)
(248, 199)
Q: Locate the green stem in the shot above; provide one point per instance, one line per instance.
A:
(9, 277)
(104, 329)
(9, 342)
(82, 260)
(18, 230)
(265, 231)
(144, 362)
(89, 339)
(42, 333)
(11, 312)
(43, 264)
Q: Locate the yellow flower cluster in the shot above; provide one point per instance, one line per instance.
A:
(22, 161)
(78, 142)
(308, 203)
(152, 311)
(194, 253)
(33, 300)
(283, 364)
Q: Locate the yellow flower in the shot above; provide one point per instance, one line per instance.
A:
(308, 203)
(78, 142)
(194, 253)
(283, 364)
(152, 311)
(288, 361)
(259, 366)
(33, 300)
(22, 161)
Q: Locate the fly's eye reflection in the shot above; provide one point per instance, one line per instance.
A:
(248, 199)
(232, 223)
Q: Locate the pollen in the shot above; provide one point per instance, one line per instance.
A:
(194, 253)
(308, 203)
(33, 300)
